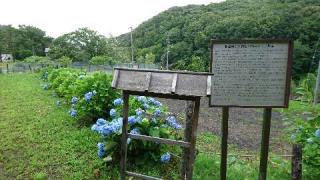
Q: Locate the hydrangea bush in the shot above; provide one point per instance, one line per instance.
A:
(90, 96)
(94, 96)
(147, 116)
(307, 133)
(305, 130)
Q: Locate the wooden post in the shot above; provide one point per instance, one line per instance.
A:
(224, 143)
(265, 143)
(296, 166)
(7, 68)
(124, 135)
(30, 68)
(193, 138)
(187, 137)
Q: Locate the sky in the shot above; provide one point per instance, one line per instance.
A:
(58, 17)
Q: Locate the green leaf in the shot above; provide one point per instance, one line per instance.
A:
(154, 132)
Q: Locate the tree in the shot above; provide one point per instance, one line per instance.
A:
(23, 42)
(80, 45)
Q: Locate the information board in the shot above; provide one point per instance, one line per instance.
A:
(251, 73)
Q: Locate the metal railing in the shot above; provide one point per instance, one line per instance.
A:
(20, 67)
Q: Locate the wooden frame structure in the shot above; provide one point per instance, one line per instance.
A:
(173, 85)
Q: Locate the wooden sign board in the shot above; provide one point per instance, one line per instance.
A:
(162, 82)
(251, 73)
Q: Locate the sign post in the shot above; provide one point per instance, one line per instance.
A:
(224, 143)
(250, 73)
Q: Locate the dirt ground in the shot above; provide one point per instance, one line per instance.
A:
(245, 125)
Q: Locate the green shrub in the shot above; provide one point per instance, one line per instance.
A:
(98, 87)
(62, 80)
(305, 89)
(307, 133)
(99, 60)
(304, 120)
(65, 61)
(38, 59)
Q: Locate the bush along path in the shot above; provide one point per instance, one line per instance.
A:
(46, 136)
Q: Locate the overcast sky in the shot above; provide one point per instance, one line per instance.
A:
(57, 17)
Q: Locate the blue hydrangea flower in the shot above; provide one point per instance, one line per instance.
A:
(139, 112)
(58, 103)
(101, 122)
(151, 100)
(88, 96)
(142, 99)
(73, 113)
(113, 113)
(74, 100)
(317, 133)
(157, 103)
(165, 157)
(157, 112)
(101, 150)
(310, 140)
(145, 106)
(118, 102)
(171, 121)
(116, 125)
(135, 131)
(106, 130)
(154, 102)
(132, 120)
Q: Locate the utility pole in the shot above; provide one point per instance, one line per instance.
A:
(168, 50)
(131, 40)
(317, 87)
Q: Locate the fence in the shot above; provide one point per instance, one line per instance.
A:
(31, 67)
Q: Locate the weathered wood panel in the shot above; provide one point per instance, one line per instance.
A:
(251, 73)
(162, 82)
(189, 84)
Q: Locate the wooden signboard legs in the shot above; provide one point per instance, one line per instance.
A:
(224, 143)
(265, 143)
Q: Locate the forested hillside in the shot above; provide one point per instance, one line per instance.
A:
(189, 30)
(185, 32)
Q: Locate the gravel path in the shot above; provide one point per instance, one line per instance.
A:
(245, 125)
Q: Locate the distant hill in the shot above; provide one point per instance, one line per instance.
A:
(190, 29)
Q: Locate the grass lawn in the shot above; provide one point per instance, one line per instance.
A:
(39, 140)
